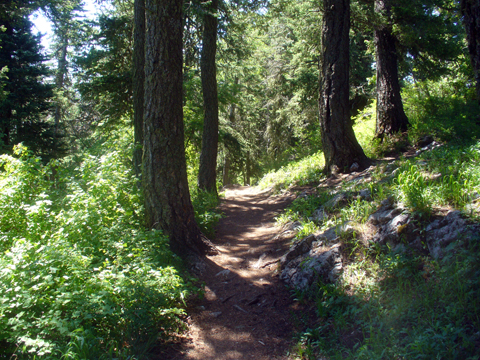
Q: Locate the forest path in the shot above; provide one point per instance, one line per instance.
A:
(247, 313)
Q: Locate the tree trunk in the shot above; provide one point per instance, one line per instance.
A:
(226, 169)
(339, 144)
(207, 175)
(226, 166)
(247, 170)
(138, 82)
(60, 80)
(391, 117)
(167, 199)
(471, 19)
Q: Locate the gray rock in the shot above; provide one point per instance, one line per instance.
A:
(333, 233)
(365, 194)
(293, 226)
(322, 264)
(319, 215)
(336, 201)
(393, 227)
(299, 248)
(442, 232)
(384, 214)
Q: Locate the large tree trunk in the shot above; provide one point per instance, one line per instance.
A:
(207, 175)
(391, 117)
(471, 19)
(138, 82)
(339, 144)
(167, 199)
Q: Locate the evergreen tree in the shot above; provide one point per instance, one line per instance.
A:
(391, 117)
(339, 144)
(471, 18)
(167, 198)
(25, 106)
(207, 176)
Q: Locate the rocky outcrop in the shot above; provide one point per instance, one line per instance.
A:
(318, 257)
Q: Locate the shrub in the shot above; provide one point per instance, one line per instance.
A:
(81, 277)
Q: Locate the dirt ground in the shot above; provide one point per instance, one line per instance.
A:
(247, 313)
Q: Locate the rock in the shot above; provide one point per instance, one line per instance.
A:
(383, 215)
(365, 194)
(336, 201)
(354, 167)
(318, 215)
(223, 273)
(442, 232)
(301, 247)
(321, 264)
(388, 201)
(393, 226)
(333, 233)
(259, 262)
(425, 141)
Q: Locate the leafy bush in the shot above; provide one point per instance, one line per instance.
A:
(445, 108)
(81, 277)
(206, 215)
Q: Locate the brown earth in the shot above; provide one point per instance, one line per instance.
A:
(246, 313)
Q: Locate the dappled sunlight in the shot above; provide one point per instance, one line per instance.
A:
(245, 311)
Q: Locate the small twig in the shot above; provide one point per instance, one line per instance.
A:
(239, 308)
(269, 263)
(228, 298)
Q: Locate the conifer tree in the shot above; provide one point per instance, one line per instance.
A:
(167, 197)
(27, 99)
(342, 150)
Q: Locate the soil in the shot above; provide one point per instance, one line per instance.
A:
(246, 312)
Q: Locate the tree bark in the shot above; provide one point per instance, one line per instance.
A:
(138, 82)
(60, 80)
(391, 117)
(207, 176)
(167, 198)
(226, 166)
(471, 20)
(340, 147)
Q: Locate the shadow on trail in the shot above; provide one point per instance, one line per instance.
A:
(246, 312)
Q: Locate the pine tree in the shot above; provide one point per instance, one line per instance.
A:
(207, 177)
(339, 144)
(27, 101)
(167, 197)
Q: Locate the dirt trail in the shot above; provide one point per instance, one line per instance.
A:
(246, 313)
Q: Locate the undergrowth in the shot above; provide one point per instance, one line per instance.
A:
(81, 278)
(395, 305)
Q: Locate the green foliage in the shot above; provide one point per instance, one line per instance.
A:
(364, 127)
(81, 278)
(446, 109)
(413, 190)
(403, 306)
(206, 214)
(25, 97)
(301, 172)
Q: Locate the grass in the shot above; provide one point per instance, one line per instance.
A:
(389, 305)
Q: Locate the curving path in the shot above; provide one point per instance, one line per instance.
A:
(246, 313)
